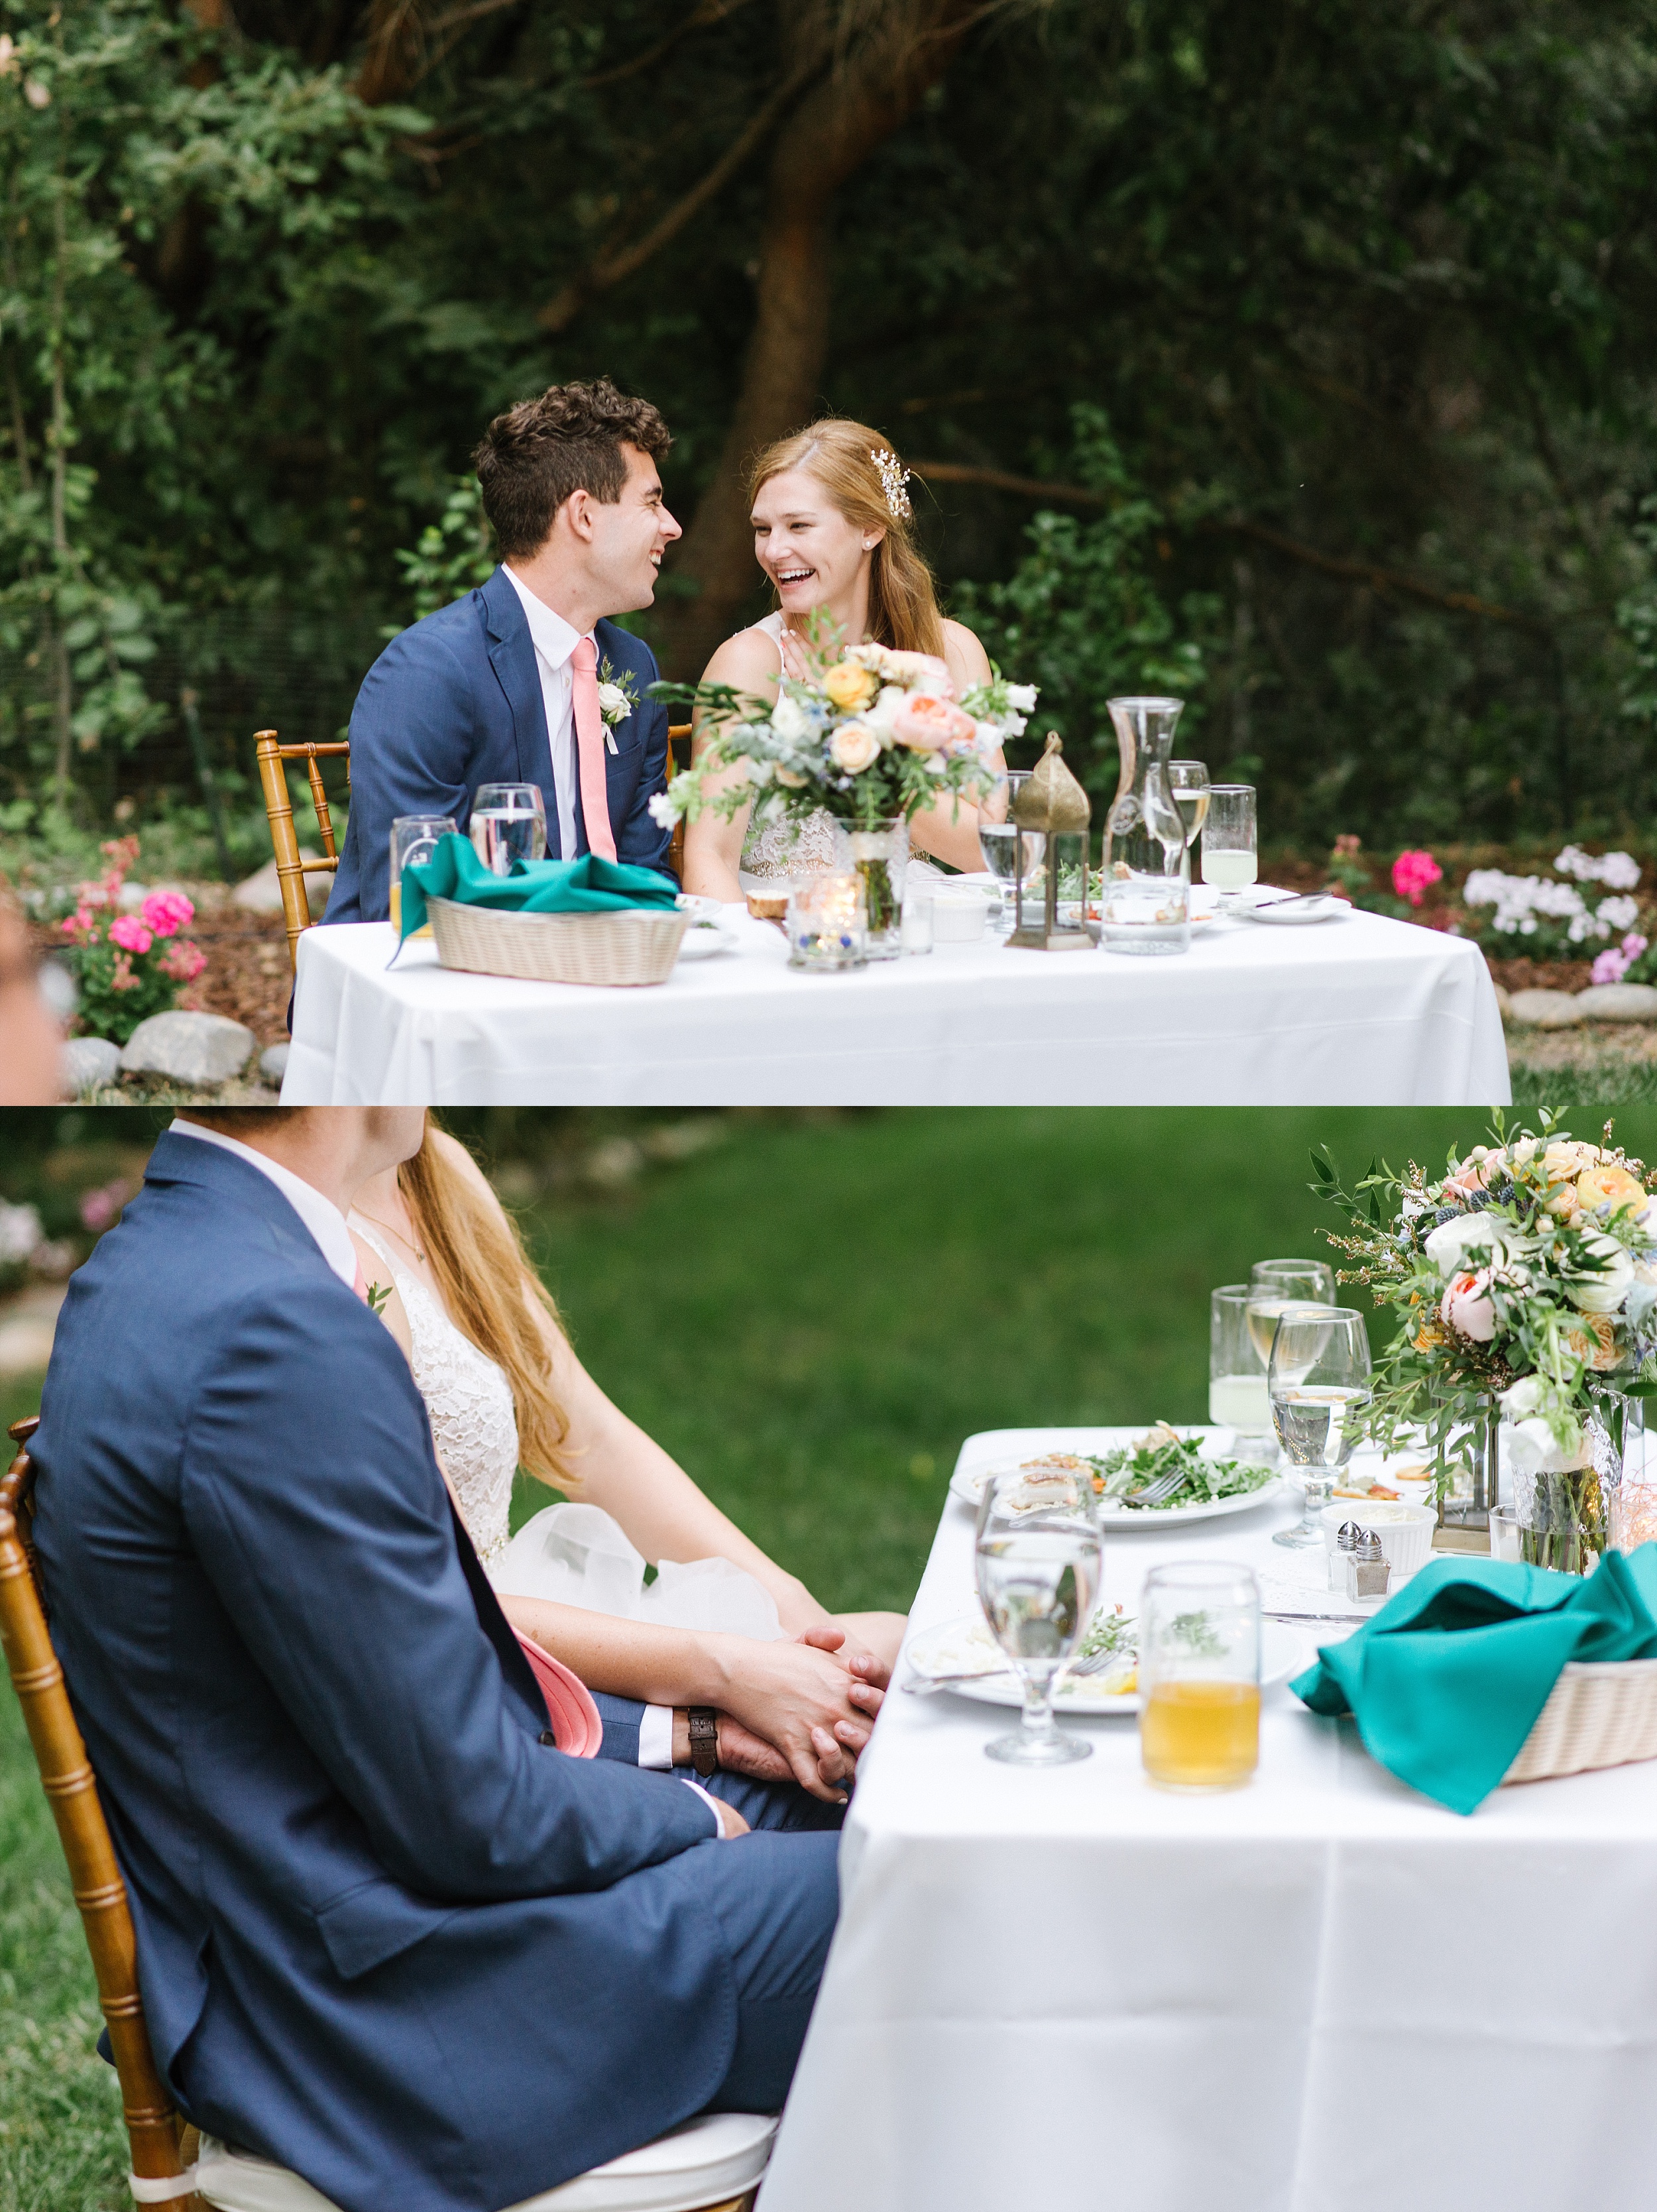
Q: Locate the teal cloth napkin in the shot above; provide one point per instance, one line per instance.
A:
(589, 886)
(1448, 1678)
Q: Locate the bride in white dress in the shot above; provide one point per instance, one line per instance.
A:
(833, 532)
(722, 1627)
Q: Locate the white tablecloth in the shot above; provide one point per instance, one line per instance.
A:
(1359, 1012)
(1322, 1993)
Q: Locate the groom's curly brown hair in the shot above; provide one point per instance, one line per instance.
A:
(569, 439)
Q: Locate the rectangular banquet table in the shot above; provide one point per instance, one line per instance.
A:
(1358, 1012)
(1321, 1993)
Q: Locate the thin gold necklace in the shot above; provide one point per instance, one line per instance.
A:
(397, 1233)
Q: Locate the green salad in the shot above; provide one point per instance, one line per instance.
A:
(1133, 1468)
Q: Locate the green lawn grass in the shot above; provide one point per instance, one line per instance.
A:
(811, 1316)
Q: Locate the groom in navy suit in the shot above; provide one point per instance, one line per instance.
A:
(387, 1934)
(504, 686)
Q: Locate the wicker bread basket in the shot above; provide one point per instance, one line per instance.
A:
(627, 945)
(1601, 1713)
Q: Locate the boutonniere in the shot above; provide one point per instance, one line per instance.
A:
(618, 697)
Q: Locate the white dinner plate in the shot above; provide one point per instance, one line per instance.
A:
(957, 1646)
(702, 940)
(967, 1484)
(1283, 915)
(698, 908)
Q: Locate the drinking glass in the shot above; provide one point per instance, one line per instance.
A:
(1296, 1279)
(1237, 1371)
(1188, 781)
(1229, 860)
(1504, 1533)
(414, 838)
(1199, 1675)
(998, 839)
(1319, 1379)
(508, 823)
(828, 923)
(1040, 1559)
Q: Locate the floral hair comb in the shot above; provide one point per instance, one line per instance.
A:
(894, 476)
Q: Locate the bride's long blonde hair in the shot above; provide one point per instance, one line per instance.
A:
(903, 598)
(492, 1293)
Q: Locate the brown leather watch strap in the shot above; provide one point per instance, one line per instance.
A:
(704, 1739)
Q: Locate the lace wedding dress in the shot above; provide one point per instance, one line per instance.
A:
(786, 848)
(572, 1554)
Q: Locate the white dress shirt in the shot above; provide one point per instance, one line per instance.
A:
(326, 1225)
(554, 642)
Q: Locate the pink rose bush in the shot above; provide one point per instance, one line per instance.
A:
(128, 966)
(1413, 874)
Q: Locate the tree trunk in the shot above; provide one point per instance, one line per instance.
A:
(869, 92)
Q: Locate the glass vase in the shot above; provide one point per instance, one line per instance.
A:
(1145, 887)
(879, 853)
(1569, 1516)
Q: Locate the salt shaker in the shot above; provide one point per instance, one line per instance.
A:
(1367, 1568)
(1348, 1537)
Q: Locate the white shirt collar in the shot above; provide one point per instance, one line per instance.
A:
(551, 635)
(320, 1215)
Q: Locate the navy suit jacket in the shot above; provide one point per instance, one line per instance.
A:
(385, 1935)
(456, 702)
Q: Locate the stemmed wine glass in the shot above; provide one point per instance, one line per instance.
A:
(1319, 1378)
(1297, 1279)
(1188, 779)
(1040, 1559)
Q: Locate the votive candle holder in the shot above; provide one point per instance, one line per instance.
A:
(827, 924)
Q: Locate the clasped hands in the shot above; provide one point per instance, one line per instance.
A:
(802, 1710)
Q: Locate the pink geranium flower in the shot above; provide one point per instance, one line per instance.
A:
(122, 978)
(1411, 874)
(183, 962)
(168, 912)
(1614, 963)
(131, 934)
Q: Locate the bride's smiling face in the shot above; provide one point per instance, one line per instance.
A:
(813, 555)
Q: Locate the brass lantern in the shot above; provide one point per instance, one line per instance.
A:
(1051, 814)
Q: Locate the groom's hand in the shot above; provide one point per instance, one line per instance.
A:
(804, 1701)
(741, 1751)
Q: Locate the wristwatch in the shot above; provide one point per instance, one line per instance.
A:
(704, 1739)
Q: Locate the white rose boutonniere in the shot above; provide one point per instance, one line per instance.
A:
(617, 698)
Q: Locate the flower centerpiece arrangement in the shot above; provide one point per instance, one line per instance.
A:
(127, 965)
(868, 735)
(1524, 1285)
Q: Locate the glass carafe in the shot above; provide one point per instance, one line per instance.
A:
(1145, 896)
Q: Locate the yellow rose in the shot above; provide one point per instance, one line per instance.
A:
(1593, 1338)
(1609, 1186)
(849, 686)
(1564, 1161)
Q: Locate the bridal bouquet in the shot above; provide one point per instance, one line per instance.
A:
(1525, 1276)
(868, 735)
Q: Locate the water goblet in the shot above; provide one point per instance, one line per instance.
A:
(1039, 1558)
(1230, 862)
(1188, 781)
(1319, 1378)
(1297, 1279)
(508, 823)
(1199, 1675)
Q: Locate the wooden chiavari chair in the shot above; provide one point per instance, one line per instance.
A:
(679, 735)
(171, 2164)
(292, 870)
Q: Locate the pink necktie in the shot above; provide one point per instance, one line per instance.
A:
(589, 746)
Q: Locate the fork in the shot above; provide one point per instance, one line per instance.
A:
(1155, 1492)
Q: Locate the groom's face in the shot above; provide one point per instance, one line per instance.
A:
(630, 537)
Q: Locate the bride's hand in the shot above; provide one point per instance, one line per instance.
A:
(814, 1711)
(828, 1636)
(795, 659)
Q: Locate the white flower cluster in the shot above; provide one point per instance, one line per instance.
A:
(1522, 903)
(21, 1234)
(1620, 871)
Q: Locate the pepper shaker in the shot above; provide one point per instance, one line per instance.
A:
(1367, 1568)
(1348, 1537)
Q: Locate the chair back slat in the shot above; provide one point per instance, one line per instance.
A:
(292, 870)
(152, 2121)
(679, 735)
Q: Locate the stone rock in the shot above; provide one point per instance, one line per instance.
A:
(89, 1062)
(273, 1064)
(261, 893)
(1618, 1002)
(1546, 1010)
(193, 1049)
(1504, 1005)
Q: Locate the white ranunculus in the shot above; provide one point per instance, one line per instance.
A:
(613, 702)
(1521, 1399)
(886, 707)
(1604, 1290)
(1452, 1241)
(789, 719)
(1533, 1449)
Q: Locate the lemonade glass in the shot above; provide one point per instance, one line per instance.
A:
(1199, 1675)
